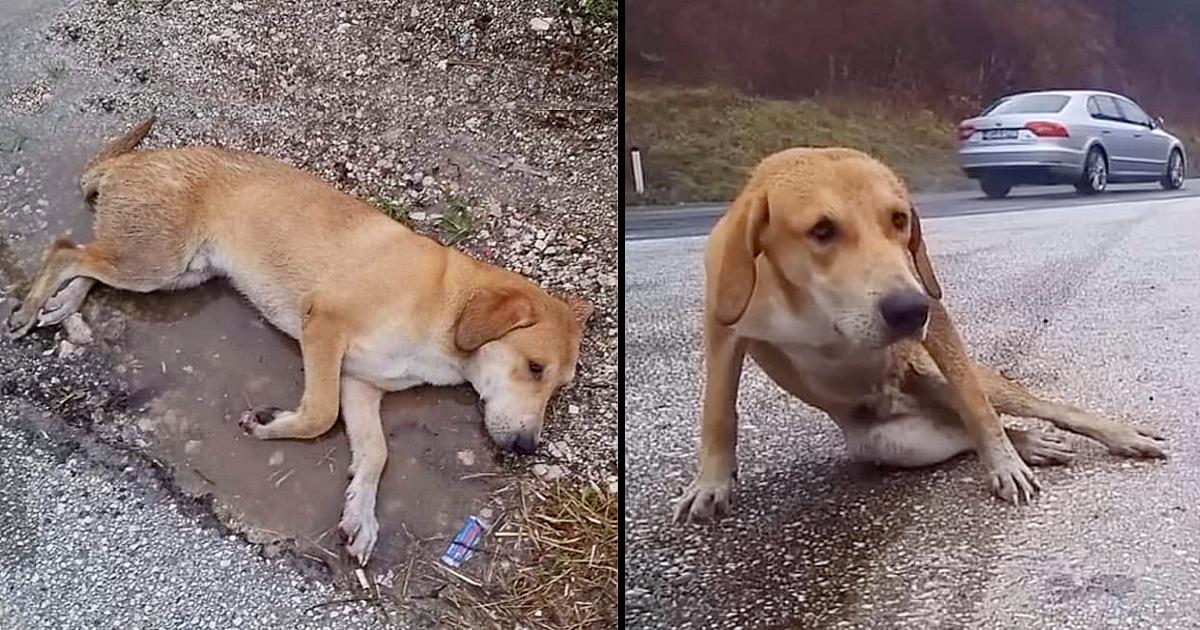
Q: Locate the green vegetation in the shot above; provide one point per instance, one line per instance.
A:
(459, 219)
(592, 11)
(397, 209)
(698, 144)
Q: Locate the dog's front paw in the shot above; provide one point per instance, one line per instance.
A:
(705, 499)
(254, 419)
(1011, 478)
(360, 529)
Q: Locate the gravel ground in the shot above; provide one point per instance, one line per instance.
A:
(500, 111)
(95, 536)
(81, 528)
(430, 107)
(1091, 304)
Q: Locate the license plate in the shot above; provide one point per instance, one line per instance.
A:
(1001, 134)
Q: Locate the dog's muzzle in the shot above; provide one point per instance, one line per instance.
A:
(519, 442)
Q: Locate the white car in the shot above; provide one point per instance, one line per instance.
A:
(1083, 137)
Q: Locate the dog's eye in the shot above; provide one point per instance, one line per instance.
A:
(900, 220)
(535, 369)
(824, 231)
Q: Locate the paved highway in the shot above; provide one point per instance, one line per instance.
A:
(697, 219)
(1095, 304)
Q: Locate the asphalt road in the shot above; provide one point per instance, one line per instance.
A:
(697, 219)
(1092, 304)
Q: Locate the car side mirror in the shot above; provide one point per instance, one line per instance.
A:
(1157, 122)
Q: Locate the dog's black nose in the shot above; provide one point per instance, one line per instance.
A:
(524, 444)
(905, 311)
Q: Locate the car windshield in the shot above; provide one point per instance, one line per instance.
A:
(1028, 104)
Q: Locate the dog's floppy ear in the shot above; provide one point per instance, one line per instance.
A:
(489, 314)
(735, 265)
(580, 308)
(916, 246)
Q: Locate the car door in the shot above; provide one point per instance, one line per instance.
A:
(1150, 149)
(1115, 134)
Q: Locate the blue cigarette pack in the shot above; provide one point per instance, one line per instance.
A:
(464, 542)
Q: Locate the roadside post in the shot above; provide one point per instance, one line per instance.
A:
(639, 184)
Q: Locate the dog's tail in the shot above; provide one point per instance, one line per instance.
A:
(126, 143)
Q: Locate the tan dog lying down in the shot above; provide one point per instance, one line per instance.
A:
(819, 272)
(375, 306)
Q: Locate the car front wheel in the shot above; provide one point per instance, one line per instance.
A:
(1095, 173)
(1173, 178)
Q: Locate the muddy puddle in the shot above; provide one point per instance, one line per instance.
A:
(194, 360)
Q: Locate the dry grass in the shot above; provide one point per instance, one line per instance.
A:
(552, 564)
(698, 143)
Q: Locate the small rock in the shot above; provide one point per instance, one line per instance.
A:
(236, 7)
(548, 472)
(78, 331)
(417, 216)
(540, 24)
(191, 446)
(276, 458)
(573, 410)
(466, 457)
(68, 350)
(342, 28)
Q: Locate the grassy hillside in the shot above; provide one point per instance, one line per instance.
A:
(698, 143)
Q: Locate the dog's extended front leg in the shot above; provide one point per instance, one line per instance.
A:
(712, 491)
(1010, 478)
(322, 344)
(368, 452)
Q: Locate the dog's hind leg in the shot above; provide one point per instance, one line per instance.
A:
(66, 261)
(1011, 398)
(322, 344)
(66, 302)
(918, 441)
